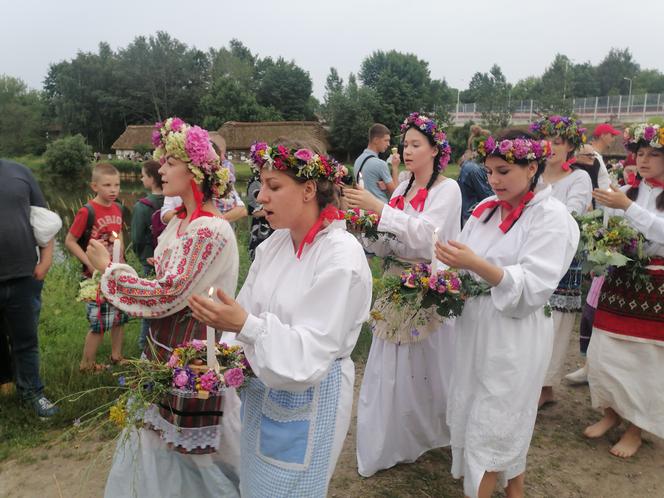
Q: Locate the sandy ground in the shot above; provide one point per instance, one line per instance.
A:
(562, 463)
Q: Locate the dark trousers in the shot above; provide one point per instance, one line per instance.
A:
(6, 374)
(586, 327)
(20, 302)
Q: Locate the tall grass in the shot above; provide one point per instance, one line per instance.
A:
(62, 329)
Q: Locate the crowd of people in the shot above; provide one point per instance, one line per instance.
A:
(474, 383)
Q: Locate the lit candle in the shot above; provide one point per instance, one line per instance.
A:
(116, 248)
(360, 181)
(434, 261)
(211, 357)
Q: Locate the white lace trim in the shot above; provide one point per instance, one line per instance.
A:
(565, 303)
(187, 438)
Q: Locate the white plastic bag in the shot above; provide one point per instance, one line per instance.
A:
(45, 224)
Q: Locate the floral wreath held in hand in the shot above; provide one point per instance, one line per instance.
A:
(430, 127)
(645, 134)
(304, 162)
(565, 127)
(192, 145)
(514, 150)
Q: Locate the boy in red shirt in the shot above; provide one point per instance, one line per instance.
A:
(107, 217)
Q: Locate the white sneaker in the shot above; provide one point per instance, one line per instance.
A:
(578, 377)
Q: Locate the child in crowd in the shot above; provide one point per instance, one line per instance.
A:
(100, 219)
(144, 228)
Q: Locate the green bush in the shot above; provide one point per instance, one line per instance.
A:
(68, 155)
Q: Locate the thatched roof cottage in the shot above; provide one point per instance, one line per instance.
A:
(240, 135)
(135, 136)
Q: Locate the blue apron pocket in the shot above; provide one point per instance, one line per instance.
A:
(288, 420)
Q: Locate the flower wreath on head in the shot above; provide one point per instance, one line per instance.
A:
(515, 149)
(192, 145)
(431, 128)
(304, 162)
(644, 134)
(560, 126)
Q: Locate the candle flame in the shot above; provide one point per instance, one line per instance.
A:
(211, 292)
(115, 235)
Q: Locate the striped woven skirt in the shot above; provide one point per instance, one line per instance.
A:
(190, 424)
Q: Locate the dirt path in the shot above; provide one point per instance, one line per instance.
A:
(561, 463)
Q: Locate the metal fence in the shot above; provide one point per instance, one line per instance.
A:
(616, 107)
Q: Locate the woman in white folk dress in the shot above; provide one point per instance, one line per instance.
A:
(197, 250)
(521, 244)
(298, 316)
(626, 354)
(573, 187)
(403, 397)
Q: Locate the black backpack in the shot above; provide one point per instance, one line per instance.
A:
(84, 239)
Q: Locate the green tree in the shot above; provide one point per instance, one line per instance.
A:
(236, 62)
(528, 88)
(230, 100)
(613, 70)
(162, 77)
(649, 81)
(349, 110)
(82, 96)
(401, 83)
(492, 94)
(68, 156)
(284, 86)
(21, 118)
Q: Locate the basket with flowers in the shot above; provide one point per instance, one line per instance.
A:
(413, 304)
(185, 391)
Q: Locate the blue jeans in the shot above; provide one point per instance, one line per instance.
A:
(20, 303)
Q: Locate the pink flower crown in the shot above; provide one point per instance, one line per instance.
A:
(432, 129)
(644, 134)
(513, 150)
(304, 162)
(192, 145)
(560, 126)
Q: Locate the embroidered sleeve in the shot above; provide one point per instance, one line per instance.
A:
(182, 270)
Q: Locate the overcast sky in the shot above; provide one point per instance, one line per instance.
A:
(456, 37)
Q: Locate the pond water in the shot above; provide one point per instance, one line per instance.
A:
(66, 195)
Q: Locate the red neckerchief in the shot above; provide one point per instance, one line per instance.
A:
(330, 213)
(514, 213)
(181, 211)
(633, 180)
(566, 165)
(399, 202)
(654, 183)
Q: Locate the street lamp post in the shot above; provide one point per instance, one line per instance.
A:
(457, 106)
(629, 96)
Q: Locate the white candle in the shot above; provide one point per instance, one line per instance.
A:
(605, 216)
(360, 181)
(434, 261)
(116, 248)
(211, 357)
